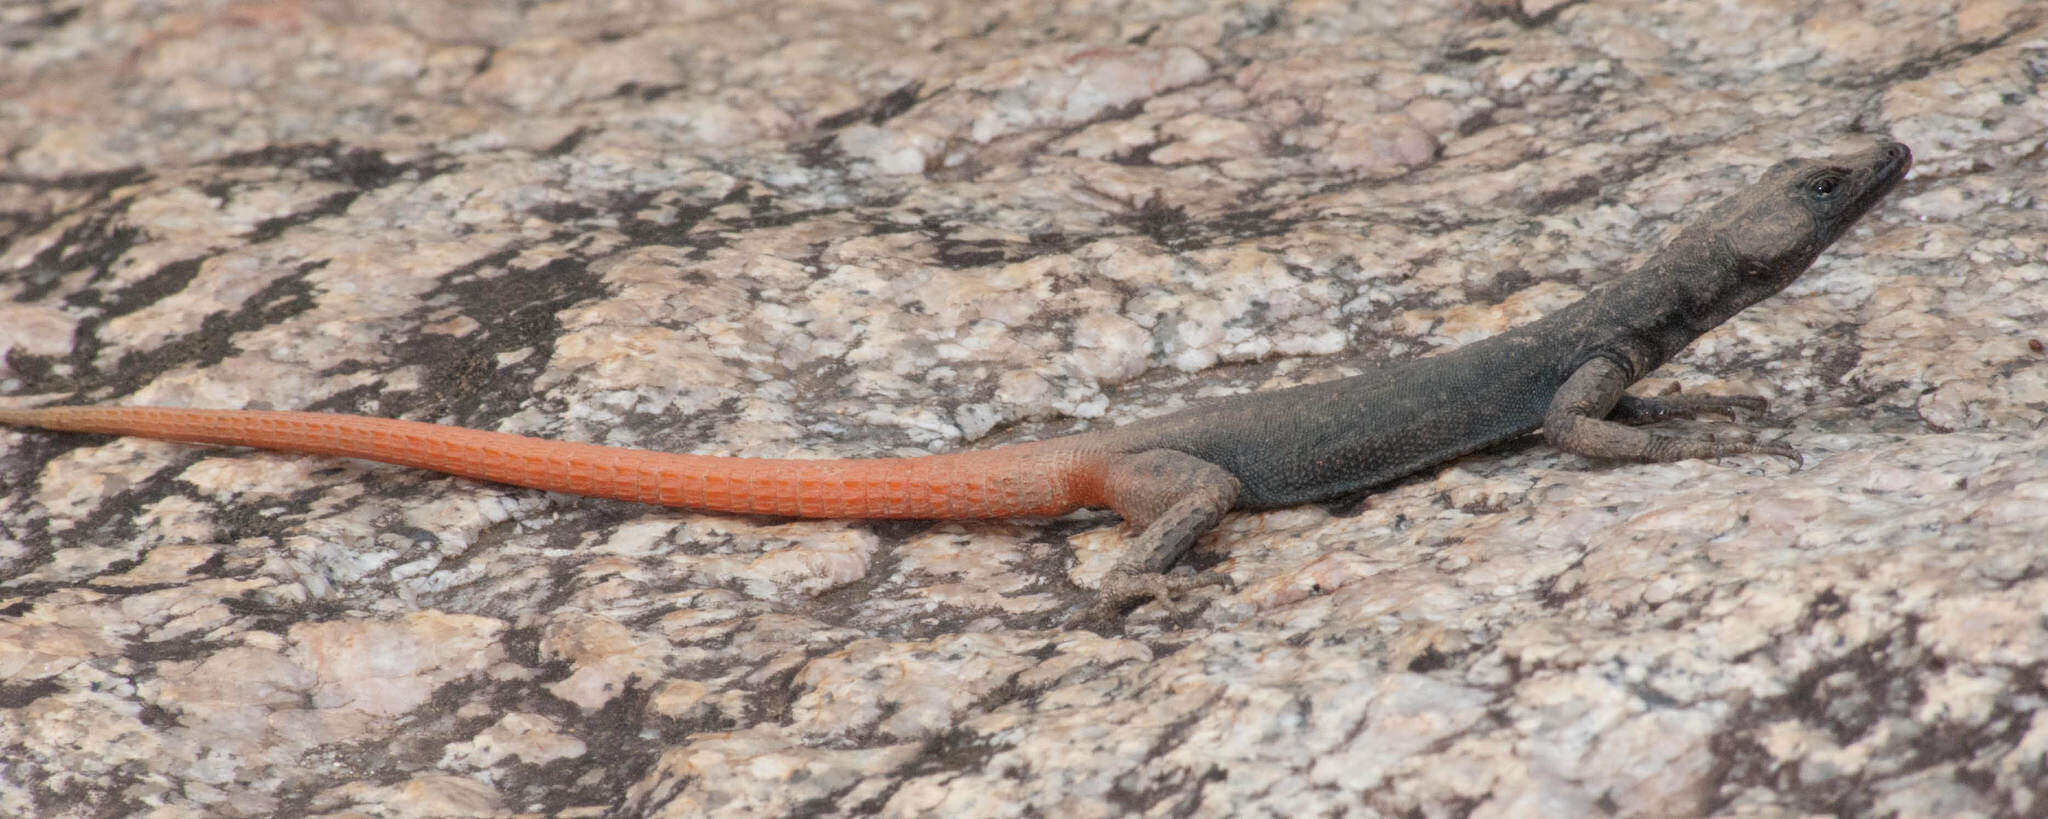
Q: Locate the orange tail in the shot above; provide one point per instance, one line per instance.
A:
(1045, 478)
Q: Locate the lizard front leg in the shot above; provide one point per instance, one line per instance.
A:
(1172, 498)
(1577, 421)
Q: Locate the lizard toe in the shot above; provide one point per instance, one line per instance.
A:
(1122, 591)
(1782, 451)
(1733, 404)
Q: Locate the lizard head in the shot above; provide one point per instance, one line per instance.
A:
(1756, 242)
(1752, 244)
(1781, 224)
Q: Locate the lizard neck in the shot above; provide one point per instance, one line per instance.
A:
(1691, 286)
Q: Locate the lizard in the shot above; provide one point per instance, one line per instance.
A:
(1173, 477)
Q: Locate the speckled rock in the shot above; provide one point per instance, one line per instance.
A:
(849, 229)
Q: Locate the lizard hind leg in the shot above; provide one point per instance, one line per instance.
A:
(1172, 499)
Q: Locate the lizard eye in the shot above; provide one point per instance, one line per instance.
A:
(1824, 187)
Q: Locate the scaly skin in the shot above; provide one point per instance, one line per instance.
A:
(1040, 478)
(1174, 476)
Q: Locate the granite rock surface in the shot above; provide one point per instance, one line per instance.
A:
(844, 229)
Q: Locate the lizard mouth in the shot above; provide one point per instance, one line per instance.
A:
(1894, 159)
(1879, 170)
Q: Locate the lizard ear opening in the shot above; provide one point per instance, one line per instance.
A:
(1782, 233)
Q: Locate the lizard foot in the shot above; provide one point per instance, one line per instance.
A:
(1123, 590)
(1636, 411)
